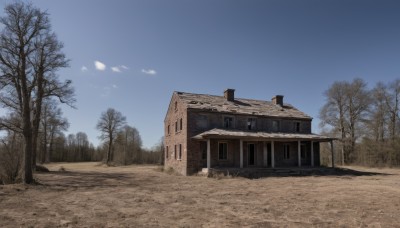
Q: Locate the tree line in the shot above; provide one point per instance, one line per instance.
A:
(366, 121)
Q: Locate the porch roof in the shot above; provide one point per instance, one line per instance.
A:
(251, 135)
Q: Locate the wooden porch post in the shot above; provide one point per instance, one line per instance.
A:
(299, 152)
(333, 155)
(312, 154)
(208, 155)
(272, 155)
(265, 153)
(241, 153)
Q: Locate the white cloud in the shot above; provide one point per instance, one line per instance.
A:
(149, 71)
(115, 86)
(84, 69)
(99, 66)
(119, 69)
(116, 69)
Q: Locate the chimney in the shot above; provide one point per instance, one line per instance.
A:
(278, 100)
(229, 94)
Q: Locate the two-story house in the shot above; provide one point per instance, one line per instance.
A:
(207, 131)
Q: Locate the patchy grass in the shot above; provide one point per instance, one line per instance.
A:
(92, 195)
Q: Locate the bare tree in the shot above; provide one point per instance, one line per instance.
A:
(333, 112)
(30, 54)
(109, 124)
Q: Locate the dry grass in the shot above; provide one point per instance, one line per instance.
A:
(92, 195)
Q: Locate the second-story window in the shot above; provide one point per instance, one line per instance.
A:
(166, 152)
(296, 126)
(251, 123)
(168, 130)
(176, 126)
(180, 124)
(228, 122)
(275, 125)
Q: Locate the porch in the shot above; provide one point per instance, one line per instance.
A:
(238, 150)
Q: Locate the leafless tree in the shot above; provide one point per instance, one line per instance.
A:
(30, 56)
(109, 125)
(333, 112)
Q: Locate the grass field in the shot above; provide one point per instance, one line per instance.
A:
(93, 195)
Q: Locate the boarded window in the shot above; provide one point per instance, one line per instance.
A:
(223, 151)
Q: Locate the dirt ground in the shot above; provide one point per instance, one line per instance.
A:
(92, 195)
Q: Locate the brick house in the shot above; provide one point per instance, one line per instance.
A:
(206, 131)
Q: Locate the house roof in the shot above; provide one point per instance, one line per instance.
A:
(240, 106)
(236, 134)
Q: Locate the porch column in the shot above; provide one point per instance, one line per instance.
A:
(312, 154)
(241, 153)
(299, 152)
(265, 151)
(208, 155)
(333, 155)
(272, 155)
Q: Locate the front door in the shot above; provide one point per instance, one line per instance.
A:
(251, 153)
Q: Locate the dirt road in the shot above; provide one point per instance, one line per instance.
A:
(92, 195)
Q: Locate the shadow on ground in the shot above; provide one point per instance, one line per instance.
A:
(291, 172)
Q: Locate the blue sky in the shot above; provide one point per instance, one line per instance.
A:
(260, 48)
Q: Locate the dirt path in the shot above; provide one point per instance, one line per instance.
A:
(91, 195)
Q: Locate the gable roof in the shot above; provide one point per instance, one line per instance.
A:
(214, 103)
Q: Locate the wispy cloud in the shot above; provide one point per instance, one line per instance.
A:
(99, 65)
(115, 86)
(149, 71)
(119, 69)
(116, 69)
(84, 69)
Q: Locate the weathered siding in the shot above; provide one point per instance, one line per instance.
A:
(176, 138)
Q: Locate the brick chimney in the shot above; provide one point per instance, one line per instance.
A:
(277, 100)
(229, 94)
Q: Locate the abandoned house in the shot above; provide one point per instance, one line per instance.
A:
(206, 131)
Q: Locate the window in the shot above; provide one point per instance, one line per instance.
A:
(176, 106)
(168, 130)
(223, 151)
(228, 122)
(176, 126)
(202, 121)
(296, 126)
(180, 124)
(166, 152)
(275, 125)
(203, 149)
(303, 151)
(175, 151)
(286, 151)
(180, 152)
(251, 123)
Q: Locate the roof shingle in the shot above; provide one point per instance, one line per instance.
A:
(240, 106)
